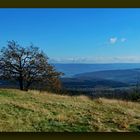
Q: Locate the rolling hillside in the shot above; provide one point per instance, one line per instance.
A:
(73, 69)
(82, 82)
(33, 111)
(128, 76)
(106, 78)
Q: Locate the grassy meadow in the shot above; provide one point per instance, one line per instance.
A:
(35, 111)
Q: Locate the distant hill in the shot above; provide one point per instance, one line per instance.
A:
(81, 82)
(73, 69)
(95, 75)
(9, 84)
(129, 76)
(107, 78)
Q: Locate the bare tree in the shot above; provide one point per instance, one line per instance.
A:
(27, 65)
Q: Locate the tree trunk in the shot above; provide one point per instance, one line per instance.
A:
(21, 82)
(27, 86)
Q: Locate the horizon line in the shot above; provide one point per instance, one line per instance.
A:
(95, 63)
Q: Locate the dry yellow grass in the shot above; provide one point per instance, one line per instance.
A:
(43, 111)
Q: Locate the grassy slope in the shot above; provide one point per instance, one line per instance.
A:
(34, 111)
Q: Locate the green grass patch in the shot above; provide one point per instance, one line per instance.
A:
(33, 111)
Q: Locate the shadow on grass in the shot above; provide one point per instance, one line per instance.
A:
(131, 94)
(120, 94)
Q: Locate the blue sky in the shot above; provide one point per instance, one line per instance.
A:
(76, 35)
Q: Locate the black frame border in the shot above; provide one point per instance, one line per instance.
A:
(70, 4)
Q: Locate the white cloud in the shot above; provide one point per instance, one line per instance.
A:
(113, 40)
(123, 39)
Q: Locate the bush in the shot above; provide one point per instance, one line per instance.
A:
(135, 96)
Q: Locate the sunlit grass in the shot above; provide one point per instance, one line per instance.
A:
(43, 111)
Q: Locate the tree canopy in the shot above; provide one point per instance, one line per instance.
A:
(27, 65)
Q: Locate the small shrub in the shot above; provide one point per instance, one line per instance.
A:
(135, 96)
